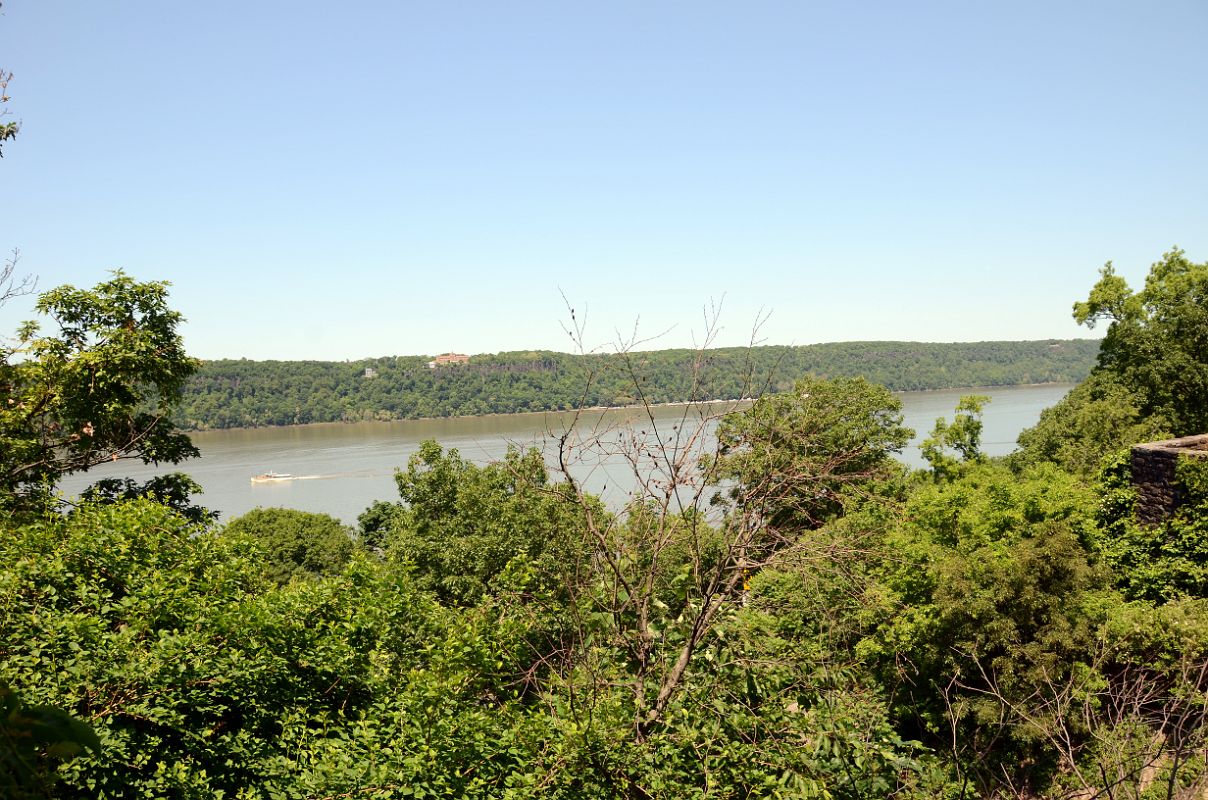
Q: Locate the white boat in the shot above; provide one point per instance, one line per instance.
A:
(270, 476)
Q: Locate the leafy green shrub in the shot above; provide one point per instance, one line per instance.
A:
(983, 602)
(295, 544)
(461, 525)
(1155, 562)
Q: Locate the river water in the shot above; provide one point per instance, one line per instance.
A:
(341, 468)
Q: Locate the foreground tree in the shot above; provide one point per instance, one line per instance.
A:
(799, 458)
(1131, 720)
(1151, 379)
(99, 389)
(202, 679)
(33, 740)
(464, 528)
(984, 582)
(1157, 338)
(962, 435)
(668, 575)
(297, 545)
(1098, 417)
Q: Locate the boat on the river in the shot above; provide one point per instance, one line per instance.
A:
(271, 476)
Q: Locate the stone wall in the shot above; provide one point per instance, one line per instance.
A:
(1153, 473)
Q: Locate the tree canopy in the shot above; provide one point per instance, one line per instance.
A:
(800, 457)
(1151, 377)
(239, 393)
(295, 544)
(962, 436)
(1156, 338)
(460, 526)
(100, 388)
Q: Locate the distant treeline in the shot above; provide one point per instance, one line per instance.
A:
(242, 393)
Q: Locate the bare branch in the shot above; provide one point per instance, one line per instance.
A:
(10, 285)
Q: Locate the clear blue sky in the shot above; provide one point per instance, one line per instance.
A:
(339, 180)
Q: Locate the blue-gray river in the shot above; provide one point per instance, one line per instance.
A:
(341, 468)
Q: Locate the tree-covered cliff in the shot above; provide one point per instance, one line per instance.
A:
(240, 393)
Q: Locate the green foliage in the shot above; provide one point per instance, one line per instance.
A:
(1151, 380)
(981, 603)
(672, 553)
(785, 704)
(844, 672)
(374, 524)
(201, 679)
(243, 393)
(461, 525)
(1138, 709)
(1159, 636)
(32, 738)
(1088, 425)
(99, 390)
(295, 544)
(102, 614)
(1157, 338)
(174, 490)
(750, 732)
(798, 459)
(963, 435)
(1155, 562)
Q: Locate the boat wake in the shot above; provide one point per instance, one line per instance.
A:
(285, 477)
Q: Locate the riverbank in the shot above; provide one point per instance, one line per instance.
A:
(357, 461)
(598, 408)
(248, 394)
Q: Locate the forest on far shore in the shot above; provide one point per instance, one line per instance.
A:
(242, 393)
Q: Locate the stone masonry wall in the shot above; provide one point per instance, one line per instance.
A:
(1153, 473)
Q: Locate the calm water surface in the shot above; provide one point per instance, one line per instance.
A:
(342, 468)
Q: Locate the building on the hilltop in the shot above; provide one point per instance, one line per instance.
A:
(370, 372)
(1154, 474)
(448, 358)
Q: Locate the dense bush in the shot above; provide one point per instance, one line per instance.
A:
(295, 544)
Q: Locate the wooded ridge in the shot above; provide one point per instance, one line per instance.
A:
(242, 393)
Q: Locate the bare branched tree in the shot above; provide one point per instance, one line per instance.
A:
(8, 130)
(1120, 729)
(666, 525)
(12, 286)
(678, 559)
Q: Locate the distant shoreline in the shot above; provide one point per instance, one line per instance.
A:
(631, 407)
(225, 394)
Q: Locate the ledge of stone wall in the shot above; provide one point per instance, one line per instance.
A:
(1153, 473)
